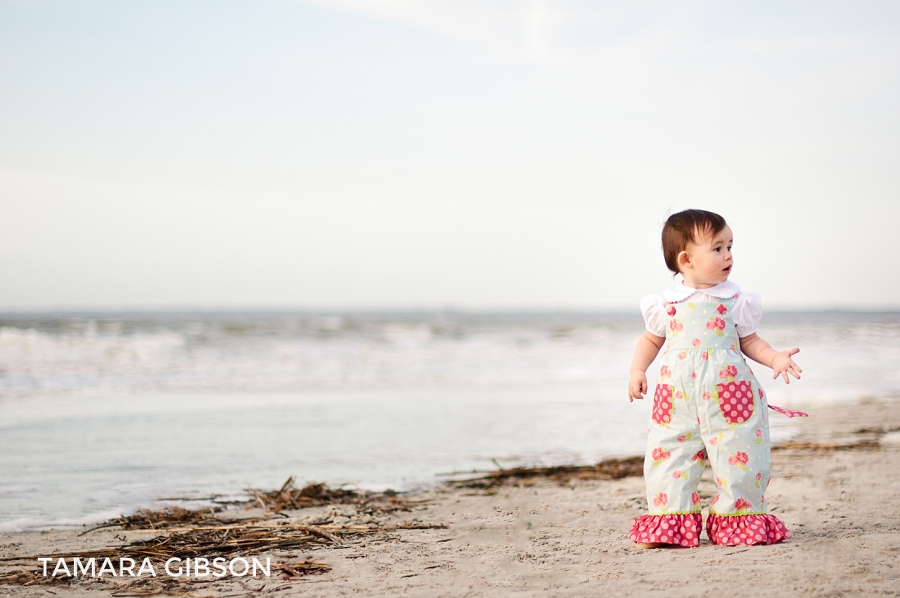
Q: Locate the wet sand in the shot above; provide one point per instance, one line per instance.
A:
(842, 505)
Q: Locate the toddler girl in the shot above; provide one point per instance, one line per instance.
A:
(708, 406)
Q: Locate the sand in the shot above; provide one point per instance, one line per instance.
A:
(843, 507)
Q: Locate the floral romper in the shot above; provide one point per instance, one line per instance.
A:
(707, 407)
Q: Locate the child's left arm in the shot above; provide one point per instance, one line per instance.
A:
(762, 352)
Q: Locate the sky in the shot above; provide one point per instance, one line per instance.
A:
(462, 154)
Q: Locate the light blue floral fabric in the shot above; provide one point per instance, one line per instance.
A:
(707, 408)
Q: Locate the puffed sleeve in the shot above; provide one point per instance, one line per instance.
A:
(747, 313)
(654, 314)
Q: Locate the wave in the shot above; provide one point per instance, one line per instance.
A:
(277, 353)
(24, 524)
(39, 355)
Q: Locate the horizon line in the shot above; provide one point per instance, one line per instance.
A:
(399, 310)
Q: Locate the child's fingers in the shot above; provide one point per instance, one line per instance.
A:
(794, 351)
(637, 390)
(796, 367)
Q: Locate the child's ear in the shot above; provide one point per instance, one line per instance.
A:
(683, 260)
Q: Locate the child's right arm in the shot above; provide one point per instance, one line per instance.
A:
(644, 354)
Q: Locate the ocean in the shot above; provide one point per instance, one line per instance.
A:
(105, 413)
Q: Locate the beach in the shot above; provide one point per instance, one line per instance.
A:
(105, 414)
(341, 298)
(835, 485)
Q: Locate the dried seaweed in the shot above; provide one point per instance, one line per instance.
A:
(150, 586)
(865, 445)
(289, 497)
(166, 518)
(616, 468)
(608, 469)
(171, 517)
(182, 533)
(228, 540)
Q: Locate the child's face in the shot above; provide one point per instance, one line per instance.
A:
(707, 262)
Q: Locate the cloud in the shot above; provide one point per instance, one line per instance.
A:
(510, 29)
(592, 34)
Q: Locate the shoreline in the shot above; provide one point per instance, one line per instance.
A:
(836, 485)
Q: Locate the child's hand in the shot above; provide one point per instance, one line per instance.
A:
(637, 386)
(782, 364)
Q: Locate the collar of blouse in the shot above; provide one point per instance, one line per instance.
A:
(680, 292)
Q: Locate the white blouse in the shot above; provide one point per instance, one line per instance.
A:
(746, 311)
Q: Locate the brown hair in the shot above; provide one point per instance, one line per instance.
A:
(681, 228)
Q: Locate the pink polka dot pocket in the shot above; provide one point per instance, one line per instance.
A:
(662, 404)
(736, 401)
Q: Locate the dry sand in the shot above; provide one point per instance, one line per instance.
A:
(843, 507)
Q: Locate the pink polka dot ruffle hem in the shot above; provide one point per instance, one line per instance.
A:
(745, 529)
(680, 530)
